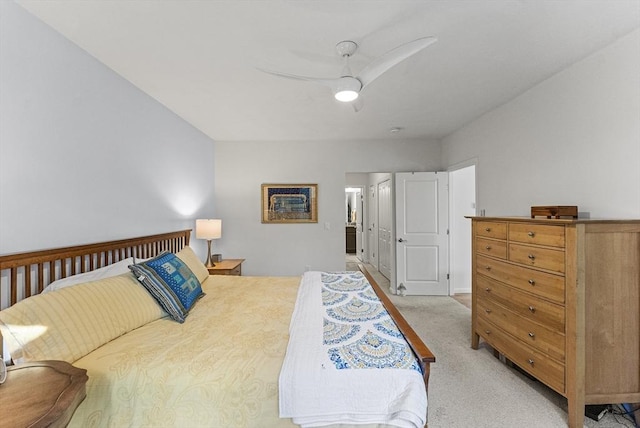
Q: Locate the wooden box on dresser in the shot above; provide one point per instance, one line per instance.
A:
(561, 300)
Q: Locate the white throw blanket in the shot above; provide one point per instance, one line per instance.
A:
(346, 361)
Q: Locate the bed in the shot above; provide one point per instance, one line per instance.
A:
(226, 363)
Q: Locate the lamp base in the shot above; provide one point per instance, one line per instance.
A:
(209, 262)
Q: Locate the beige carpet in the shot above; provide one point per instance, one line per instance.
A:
(471, 388)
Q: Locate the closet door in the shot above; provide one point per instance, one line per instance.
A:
(384, 228)
(422, 240)
(372, 227)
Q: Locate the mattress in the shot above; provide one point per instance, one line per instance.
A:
(218, 369)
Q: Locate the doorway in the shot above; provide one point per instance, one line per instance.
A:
(354, 222)
(462, 202)
(366, 216)
(462, 196)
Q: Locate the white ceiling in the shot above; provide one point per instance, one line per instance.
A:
(199, 58)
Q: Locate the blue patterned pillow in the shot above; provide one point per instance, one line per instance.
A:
(170, 282)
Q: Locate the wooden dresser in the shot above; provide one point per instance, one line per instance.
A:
(561, 300)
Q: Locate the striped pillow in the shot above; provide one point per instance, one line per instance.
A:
(190, 259)
(170, 282)
(69, 323)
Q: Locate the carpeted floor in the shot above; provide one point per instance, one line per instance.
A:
(471, 388)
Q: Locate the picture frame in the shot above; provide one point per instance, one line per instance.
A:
(289, 203)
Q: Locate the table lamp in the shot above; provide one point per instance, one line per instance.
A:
(209, 229)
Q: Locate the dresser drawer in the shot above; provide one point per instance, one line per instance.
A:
(539, 234)
(549, 315)
(491, 229)
(533, 281)
(532, 361)
(548, 341)
(543, 258)
(491, 247)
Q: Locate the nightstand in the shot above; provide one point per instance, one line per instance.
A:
(227, 267)
(41, 394)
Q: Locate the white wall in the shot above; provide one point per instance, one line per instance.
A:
(574, 139)
(84, 155)
(287, 249)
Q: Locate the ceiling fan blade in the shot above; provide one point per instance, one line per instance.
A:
(328, 82)
(383, 63)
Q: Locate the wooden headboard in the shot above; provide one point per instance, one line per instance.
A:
(25, 274)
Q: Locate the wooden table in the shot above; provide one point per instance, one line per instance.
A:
(41, 394)
(227, 267)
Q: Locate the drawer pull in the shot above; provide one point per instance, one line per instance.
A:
(531, 234)
(488, 267)
(488, 290)
(531, 256)
(488, 247)
(488, 311)
(532, 282)
(487, 331)
(488, 229)
(532, 309)
(532, 334)
(530, 361)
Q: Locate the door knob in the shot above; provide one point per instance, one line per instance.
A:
(402, 240)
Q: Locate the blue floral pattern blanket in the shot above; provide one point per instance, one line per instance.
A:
(346, 360)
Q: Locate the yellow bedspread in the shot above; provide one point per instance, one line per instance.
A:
(218, 369)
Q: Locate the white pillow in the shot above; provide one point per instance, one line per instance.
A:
(114, 269)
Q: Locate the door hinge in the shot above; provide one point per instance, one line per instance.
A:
(447, 276)
(447, 231)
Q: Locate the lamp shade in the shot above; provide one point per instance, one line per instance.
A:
(208, 229)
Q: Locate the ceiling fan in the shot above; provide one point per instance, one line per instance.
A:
(348, 87)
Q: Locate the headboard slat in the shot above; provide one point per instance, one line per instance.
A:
(40, 278)
(27, 281)
(14, 279)
(52, 271)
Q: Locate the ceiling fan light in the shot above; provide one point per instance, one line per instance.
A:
(347, 89)
(346, 95)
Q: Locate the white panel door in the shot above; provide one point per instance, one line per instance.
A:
(372, 227)
(360, 226)
(384, 228)
(422, 243)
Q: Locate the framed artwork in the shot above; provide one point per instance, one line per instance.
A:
(289, 203)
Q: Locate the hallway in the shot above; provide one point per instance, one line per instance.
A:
(351, 263)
